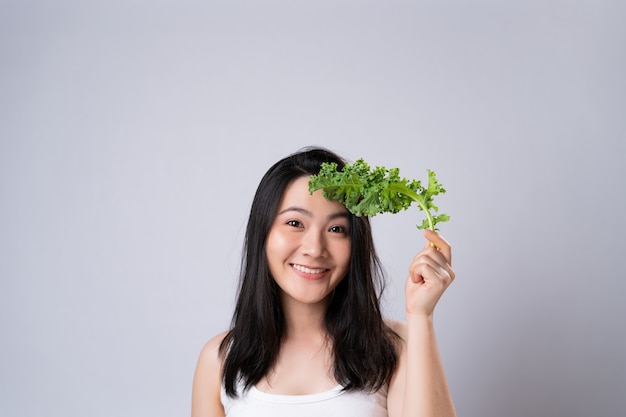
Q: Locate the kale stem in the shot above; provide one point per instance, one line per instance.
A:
(400, 188)
(429, 217)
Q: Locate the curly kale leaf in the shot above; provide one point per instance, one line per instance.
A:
(369, 191)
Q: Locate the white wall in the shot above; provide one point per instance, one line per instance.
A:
(133, 135)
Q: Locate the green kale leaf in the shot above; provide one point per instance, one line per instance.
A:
(369, 191)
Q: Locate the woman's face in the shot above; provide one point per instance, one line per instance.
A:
(308, 246)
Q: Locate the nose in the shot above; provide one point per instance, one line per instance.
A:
(313, 243)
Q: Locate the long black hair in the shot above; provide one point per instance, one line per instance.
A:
(364, 350)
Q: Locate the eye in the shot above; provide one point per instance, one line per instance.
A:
(338, 229)
(293, 223)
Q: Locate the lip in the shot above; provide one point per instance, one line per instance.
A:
(308, 272)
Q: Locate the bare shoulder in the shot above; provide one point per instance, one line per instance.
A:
(210, 350)
(207, 380)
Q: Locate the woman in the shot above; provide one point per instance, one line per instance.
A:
(307, 336)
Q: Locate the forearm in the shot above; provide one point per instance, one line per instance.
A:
(426, 391)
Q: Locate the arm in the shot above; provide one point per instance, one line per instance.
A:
(207, 382)
(419, 387)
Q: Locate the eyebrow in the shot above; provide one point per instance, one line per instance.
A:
(332, 216)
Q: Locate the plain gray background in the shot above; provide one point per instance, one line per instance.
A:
(133, 135)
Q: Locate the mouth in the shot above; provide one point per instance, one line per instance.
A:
(307, 270)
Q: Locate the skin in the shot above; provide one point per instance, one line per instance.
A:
(311, 231)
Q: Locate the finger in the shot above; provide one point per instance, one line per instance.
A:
(429, 251)
(440, 243)
(432, 260)
(436, 254)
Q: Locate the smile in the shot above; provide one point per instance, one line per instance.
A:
(308, 270)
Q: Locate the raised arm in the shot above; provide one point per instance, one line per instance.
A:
(419, 387)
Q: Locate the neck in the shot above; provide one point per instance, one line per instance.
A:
(304, 320)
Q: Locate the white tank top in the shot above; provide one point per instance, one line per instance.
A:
(332, 403)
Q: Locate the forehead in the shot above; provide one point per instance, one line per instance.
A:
(297, 194)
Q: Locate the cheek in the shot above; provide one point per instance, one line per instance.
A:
(342, 254)
(277, 245)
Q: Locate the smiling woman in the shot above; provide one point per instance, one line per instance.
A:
(307, 335)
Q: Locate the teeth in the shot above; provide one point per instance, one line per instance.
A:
(308, 270)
